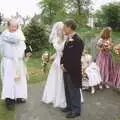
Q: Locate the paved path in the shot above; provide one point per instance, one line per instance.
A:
(105, 105)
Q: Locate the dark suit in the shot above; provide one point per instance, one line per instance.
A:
(71, 61)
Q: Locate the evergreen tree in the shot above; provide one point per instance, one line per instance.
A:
(36, 35)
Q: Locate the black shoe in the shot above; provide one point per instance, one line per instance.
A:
(10, 103)
(65, 110)
(72, 115)
(20, 100)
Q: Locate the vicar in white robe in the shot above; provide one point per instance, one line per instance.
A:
(13, 70)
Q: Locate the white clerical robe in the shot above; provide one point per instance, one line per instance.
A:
(12, 47)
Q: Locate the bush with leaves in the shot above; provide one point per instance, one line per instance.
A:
(0, 18)
(109, 15)
(59, 10)
(36, 35)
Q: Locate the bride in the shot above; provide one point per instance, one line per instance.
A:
(54, 89)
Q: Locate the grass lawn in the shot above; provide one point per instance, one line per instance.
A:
(4, 113)
(36, 74)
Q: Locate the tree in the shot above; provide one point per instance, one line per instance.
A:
(51, 10)
(79, 9)
(109, 16)
(56, 10)
(0, 18)
(36, 35)
(78, 5)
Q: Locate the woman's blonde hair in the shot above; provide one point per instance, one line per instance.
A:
(106, 33)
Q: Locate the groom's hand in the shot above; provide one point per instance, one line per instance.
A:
(62, 67)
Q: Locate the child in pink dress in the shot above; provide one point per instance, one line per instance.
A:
(104, 57)
(117, 66)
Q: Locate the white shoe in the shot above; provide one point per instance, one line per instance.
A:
(100, 87)
(82, 99)
(92, 90)
(107, 86)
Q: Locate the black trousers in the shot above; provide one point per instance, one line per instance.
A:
(73, 97)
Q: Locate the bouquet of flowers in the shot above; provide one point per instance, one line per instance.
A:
(86, 60)
(116, 54)
(107, 45)
(45, 60)
(84, 75)
(117, 49)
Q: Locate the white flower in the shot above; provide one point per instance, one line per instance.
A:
(71, 39)
(45, 57)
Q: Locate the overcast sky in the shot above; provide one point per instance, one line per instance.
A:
(29, 7)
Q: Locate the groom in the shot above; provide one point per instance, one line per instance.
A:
(71, 65)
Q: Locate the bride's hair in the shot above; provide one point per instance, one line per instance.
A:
(57, 32)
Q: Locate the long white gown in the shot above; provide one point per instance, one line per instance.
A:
(54, 89)
(12, 63)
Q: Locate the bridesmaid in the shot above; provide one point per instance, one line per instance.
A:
(104, 57)
(117, 66)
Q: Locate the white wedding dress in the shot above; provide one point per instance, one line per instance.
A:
(54, 89)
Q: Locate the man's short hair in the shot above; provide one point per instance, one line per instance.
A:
(71, 23)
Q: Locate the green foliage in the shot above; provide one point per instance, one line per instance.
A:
(79, 10)
(36, 36)
(1, 28)
(36, 75)
(56, 10)
(0, 18)
(4, 113)
(52, 10)
(115, 57)
(109, 16)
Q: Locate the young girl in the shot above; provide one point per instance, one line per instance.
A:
(93, 74)
(116, 81)
(86, 60)
(104, 57)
